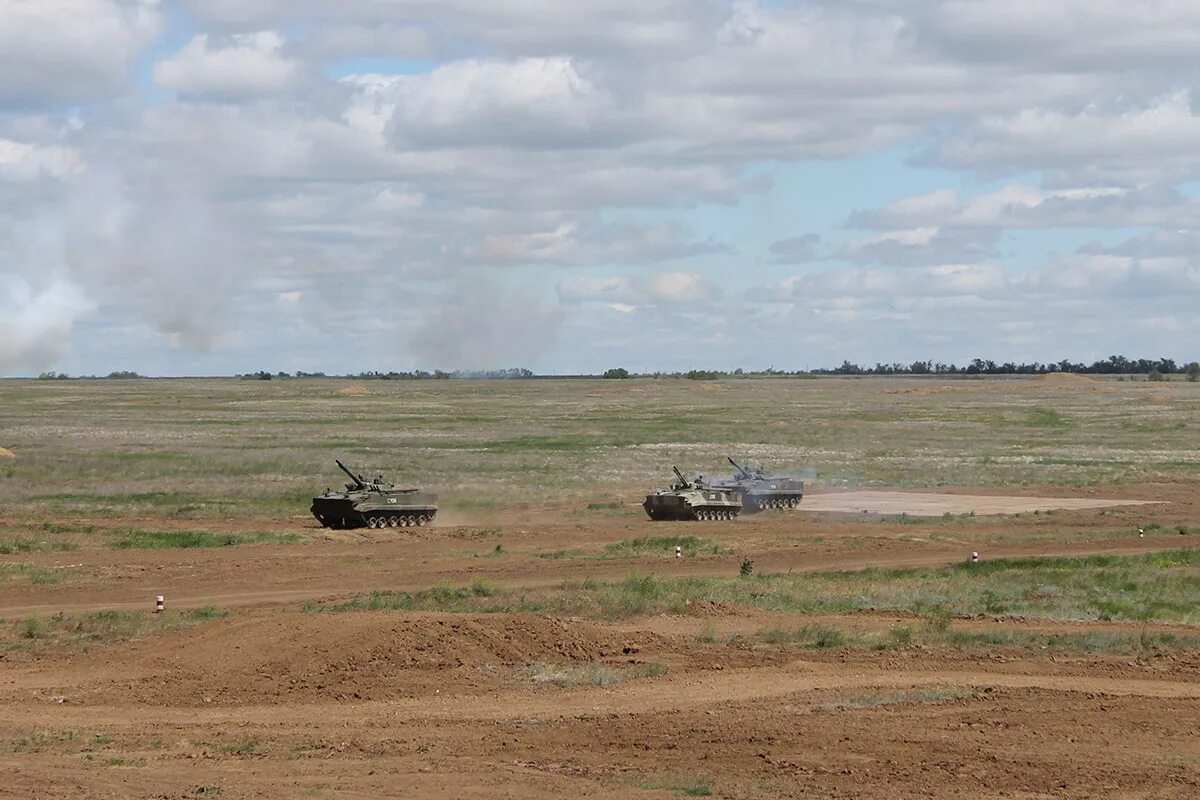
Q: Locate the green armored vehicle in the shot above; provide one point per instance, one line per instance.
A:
(373, 504)
(760, 490)
(693, 500)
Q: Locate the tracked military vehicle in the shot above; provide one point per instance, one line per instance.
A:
(762, 491)
(690, 500)
(373, 504)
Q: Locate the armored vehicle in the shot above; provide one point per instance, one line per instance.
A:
(693, 500)
(373, 504)
(760, 490)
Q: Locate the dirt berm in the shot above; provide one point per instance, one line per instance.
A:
(343, 656)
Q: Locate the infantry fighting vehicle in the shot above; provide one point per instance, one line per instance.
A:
(760, 490)
(373, 504)
(693, 500)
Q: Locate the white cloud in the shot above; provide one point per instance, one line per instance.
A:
(530, 102)
(1132, 143)
(248, 65)
(565, 138)
(1020, 206)
(57, 51)
(923, 246)
(571, 243)
(627, 292)
(20, 161)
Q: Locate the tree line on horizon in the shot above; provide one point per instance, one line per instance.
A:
(1154, 369)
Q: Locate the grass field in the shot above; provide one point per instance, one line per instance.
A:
(210, 448)
(542, 639)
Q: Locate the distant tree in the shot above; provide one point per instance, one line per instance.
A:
(1193, 371)
(1155, 375)
(616, 372)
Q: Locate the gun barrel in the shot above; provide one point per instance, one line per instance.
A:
(741, 470)
(682, 479)
(345, 469)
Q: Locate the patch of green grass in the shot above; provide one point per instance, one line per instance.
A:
(815, 636)
(107, 627)
(521, 444)
(1046, 418)
(240, 748)
(136, 499)
(37, 741)
(157, 540)
(684, 785)
(605, 506)
(1162, 586)
(67, 527)
(593, 674)
(554, 555)
(11, 546)
(691, 546)
(36, 574)
(934, 694)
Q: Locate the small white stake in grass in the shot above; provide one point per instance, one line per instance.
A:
(678, 551)
(158, 603)
(974, 557)
(1141, 533)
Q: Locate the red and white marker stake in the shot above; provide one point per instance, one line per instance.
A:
(158, 603)
(678, 551)
(974, 557)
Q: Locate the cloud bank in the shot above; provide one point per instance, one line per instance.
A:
(577, 185)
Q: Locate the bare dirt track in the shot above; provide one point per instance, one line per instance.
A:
(273, 701)
(369, 711)
(930, 504)
(337, 564)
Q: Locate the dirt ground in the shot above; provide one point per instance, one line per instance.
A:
(930, 504)
(271, 701)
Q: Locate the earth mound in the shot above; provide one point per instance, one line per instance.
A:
(1064, 377)
(6, 453)
(348, 656)
(354, 390)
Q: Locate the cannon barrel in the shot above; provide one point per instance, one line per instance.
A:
(742, 471)
(682, 479)
(357, 480)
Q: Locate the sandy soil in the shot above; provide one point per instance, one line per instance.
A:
(273, 702)
(930, 504)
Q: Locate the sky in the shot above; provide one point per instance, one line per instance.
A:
(203, 187)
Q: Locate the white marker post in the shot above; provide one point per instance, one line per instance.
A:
(974, 557)
(678, 551)
(158, 603)
(1141, 533)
